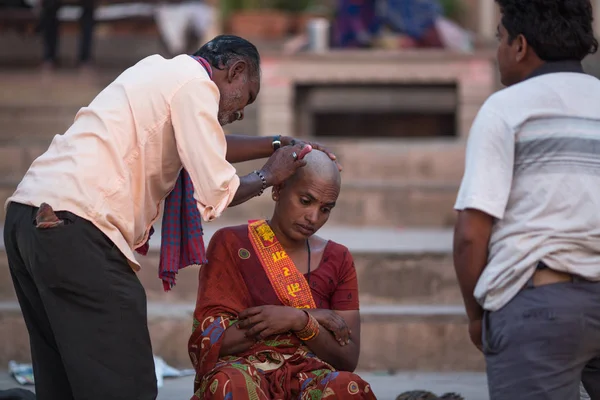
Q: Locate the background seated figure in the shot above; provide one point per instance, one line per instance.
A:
(277, 314)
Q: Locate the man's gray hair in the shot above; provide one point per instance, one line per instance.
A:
(225, 50)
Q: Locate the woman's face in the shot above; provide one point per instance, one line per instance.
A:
(303, 204)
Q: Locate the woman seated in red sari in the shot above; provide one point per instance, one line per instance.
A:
(277, 315)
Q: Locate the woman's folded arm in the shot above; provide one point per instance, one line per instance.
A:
(327, 348)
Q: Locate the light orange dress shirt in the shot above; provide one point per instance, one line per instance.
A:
(122, 155)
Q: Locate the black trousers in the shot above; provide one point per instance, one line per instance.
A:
(50, 25)
(84, 308)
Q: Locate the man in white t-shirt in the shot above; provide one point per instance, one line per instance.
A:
(527, 238)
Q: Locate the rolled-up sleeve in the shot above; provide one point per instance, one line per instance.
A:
(202, 146)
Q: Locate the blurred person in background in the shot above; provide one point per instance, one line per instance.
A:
(527, 237)
(176, 21)
(358, 23)
(50, 29)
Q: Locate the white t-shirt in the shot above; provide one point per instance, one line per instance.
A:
(533, 163)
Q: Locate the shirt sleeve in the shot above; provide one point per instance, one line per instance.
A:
(345, 297)
(202, 146)
(489, 165)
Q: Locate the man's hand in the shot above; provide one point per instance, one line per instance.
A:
(475, 333)
(265, 321)
(287, 141)
(334, 323)
(282, 164)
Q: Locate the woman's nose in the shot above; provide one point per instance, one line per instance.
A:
(312, 216)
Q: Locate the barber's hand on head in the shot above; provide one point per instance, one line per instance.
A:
(283, 164)
(286, 140)
(334, 323)
(264, 321)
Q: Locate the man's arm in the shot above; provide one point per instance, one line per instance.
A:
(279, 167)
(242, 148)
(471, 239)
(482, 197)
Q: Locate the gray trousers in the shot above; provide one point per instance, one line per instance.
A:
(544, 342)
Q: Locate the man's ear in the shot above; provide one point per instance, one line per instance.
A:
(522, 48)
(237, 70)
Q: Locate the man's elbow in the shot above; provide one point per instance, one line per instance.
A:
(472, 228)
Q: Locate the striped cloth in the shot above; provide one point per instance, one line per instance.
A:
(182, 243)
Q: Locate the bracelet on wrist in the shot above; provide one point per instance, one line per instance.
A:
(276, 143)
(263, 180)
(310, 331)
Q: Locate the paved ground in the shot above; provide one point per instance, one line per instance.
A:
(472, 386)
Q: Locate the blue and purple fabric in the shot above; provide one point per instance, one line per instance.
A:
(358, 21)
(182, 242)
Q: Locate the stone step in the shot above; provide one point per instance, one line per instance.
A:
(392, 161)
(393, 338)
(34, 125)
(393, 266)
(378, 204)
(32, 89)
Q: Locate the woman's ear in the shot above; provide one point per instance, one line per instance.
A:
(275, 192)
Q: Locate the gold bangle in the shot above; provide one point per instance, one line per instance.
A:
(310, 331)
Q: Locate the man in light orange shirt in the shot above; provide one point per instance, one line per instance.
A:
(106, 178)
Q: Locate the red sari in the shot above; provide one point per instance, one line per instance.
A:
(279, 367)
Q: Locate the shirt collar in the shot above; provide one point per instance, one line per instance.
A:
(552, 67)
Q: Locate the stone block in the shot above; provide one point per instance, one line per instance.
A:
(5, 192)
(12, 166)
(30, 123)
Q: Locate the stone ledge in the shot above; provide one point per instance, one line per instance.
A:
(357, 239)
(400, 338)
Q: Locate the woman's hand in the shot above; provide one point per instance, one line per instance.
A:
(265, 321)
(287, 141)
(334, 323)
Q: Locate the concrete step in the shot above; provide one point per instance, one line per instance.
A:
(393, 266)
(379, 204)
(31, 89)
(397, 161)
(109, 50)
(34, 125)
(361, 204)
(393, 338)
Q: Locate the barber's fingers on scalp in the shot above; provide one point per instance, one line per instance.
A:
(325, 150)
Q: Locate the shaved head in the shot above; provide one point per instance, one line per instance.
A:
(304, 202)
(318, 164)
